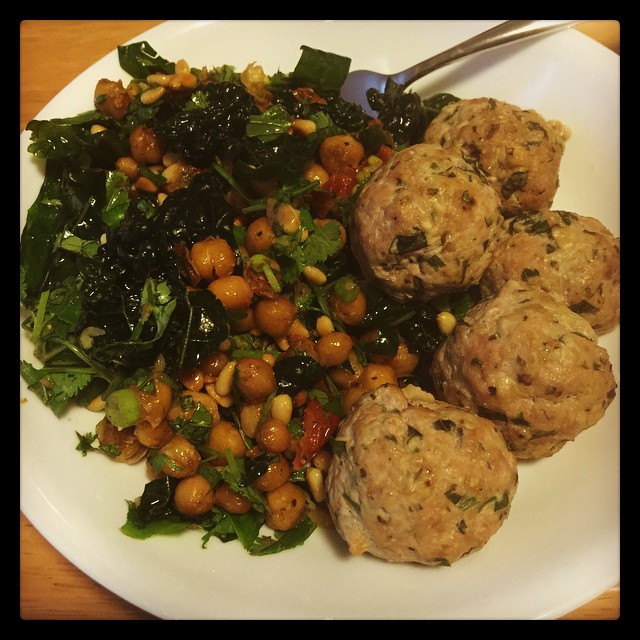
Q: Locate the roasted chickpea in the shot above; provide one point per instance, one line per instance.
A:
(213, 364)
(287, 504)
(229, 500)
(245, 322)
(193, 379)
(224, 435)
(351, 396)
(375, 375)
(351, 313)
(213, 258)
(340, 153)
(111, 98)
(145, 145)
(128, 447)
(194, 496)
(334, 348)
(153, 437)
(275, 316)
(314, 172)
(259, 236)
(273, 436)
(233, 291)
(255, 379)
(277, 473)
(182, 457)
(404, 362)
(184, 406)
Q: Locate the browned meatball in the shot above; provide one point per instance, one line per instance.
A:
(517, 148)
(426, 224)
(529, 363)
(574, 258)
(414, 479)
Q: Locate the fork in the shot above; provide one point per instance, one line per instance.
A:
(358, 82)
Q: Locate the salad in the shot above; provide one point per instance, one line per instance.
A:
(186, 274)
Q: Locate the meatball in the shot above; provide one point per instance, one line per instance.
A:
(426, 224)
(529, 363)
(418, 480)
(518, 149)
(574, 258)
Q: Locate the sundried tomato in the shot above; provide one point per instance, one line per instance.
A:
(318, 425)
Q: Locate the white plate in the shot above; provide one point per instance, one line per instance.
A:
(559, 547)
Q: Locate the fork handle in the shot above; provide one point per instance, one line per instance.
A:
(509, 31)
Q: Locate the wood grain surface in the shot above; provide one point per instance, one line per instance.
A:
(52, 588)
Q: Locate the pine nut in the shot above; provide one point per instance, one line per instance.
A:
(314, 275)
(446, 322)
(97, 404)
(315, 480)
(223, 401)
(302, 127)
(152, 95)
(282, 408)
(97, 128)
(324, 325)
(224, 383)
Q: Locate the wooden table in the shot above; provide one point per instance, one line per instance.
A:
(51, 588)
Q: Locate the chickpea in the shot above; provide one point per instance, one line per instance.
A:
(245, 323)
(145, 145)
(259, 236)
(184, 408)
(129, 449)
(274, 316)
(128, 166)
(351, 313)
(340, 153)
(213, 258)
(194, 496)
(233, 291)
(273, 436)
(404, 362)
(344, 378)
(111, 98)
(277, 473)
(255, 379)
(183, 457)
(287, 505)
(229, 500)
(375, 375)
(300, 345)
(153, 437)
(224, 435)
(351, 396)
(315, 172)
(334, 348)
(154, 405)
(192, 379)
(213, 364)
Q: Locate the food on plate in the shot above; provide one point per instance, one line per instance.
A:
(426, 224)
(574, 258)
(418, 480)
(518, 149)
(231, 267)
(528, 362)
